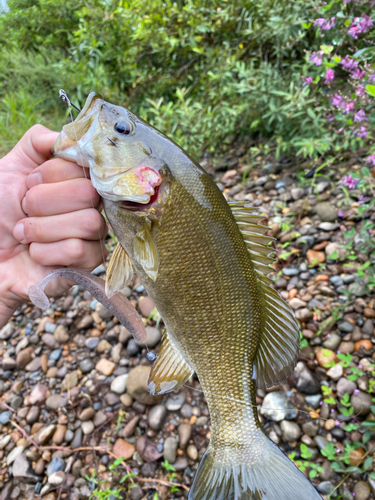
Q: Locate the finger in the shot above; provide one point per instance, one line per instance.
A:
(55, 170)
(73, 252)
(86, 224)
(60, 198)
(36, 144)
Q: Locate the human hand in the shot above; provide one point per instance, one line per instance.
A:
(49, 218)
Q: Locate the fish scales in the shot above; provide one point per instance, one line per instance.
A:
(202, 262)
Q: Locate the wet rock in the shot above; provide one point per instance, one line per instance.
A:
(61, 334)
(14, 454)
(33, 415)
(277, 407)
(133, 348)
(356, 457)
(85, 322)
(104, 346)
(56, 478)
(87, 427)
(345, 327)
(335, 372)
(326, 358)
(44, 435)
(304, 314)
(368, 327)
(305, 380)
(77, 439)
(23, 472)
(314, 400)
(332, 342)
(170, 449)
(9, 364)
(92, 343)
(346, 347)
(362, 491)
(105, 366)
(4, 417)
(361, 403)
(87, 414)
(192, 452)
(321, 442)
(34, 365)
(49, 340)
(137, 385)
(156, 417)
(130, 427)
(123, 449)
(364, 344)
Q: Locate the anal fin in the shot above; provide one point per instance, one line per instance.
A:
(170, 370)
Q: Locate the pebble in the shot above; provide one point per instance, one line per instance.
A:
(291, 431)
(192, 452)
(326, 358)
(92, 342)
(56, 401)
(104, 346)
(87, 414)
(326, 487)
(156, 417)
(175, 402)
(133, 348)
(105, 366)
(22, 470)
(77, 439)
(305, 380)
(70, 381)
(361, 403)
(332, 342)
(4, 417)
(118, 385)
(345, 327)
(55, 465)
(56, 478)
(15, 453)
(326, 212)
(50, 341)
(314, 400)
(345, 386)
(24, 357)
(123, 449)
(34, 365)
(362, 491)
(277, 407)
(7, 331)
(87, 427)
(146, 306)
(336, 372)
(137, 386)
(170, 449)
(86, 365)
(45, 434)
(184, 433)
(346, 347)
(38, 394)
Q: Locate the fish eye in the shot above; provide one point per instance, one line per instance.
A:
(123, 128)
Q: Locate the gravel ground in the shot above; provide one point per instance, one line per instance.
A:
(73, 392)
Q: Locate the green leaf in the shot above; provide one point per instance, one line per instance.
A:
(306, 25)
(368, 463)
(368, 423)
(370, 89)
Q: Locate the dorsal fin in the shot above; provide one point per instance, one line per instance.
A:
(170, 370)
(278, 347)
(119, 271)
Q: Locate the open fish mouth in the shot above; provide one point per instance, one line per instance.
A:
(91, 141)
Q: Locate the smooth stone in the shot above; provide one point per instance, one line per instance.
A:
(22, 470)
(146, 306)
(50, 341)
(361, 403)
(321, 442)
(137, 385)
(104, 313)
(77, 439)
(9, 364)
(170, 449)
(56, 401)
(186, 411)
(362, 491)
(7, 331)
(326, 212)
(326, 487)
(55, 355)
(4, 417)
(61, 334)
(345, 327)
(133, 348)
(4, 441)
(290, 271)
(15, 453)
(33, 415)
(291, 431)
(156, 417)
(153, 336)
(105, 366)
(328, 226)
(118, 385)
(336, 372)
(87, 414)
(56, 478)
(87, 427)
(184, 434)
(92, 342)
(86, 365)
(99, 418)
(277, 407)
(175, 402)
(34, 365)
(70, 381)
(38, 395)
(192, 452)
(305, 380)
(45, 434)
(123, 449)
(24, 357)
(368, 327)
(332, 342)
(314, 400)
(55, 465)
(104, 346)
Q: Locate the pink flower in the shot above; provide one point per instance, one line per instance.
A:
(371, 159)
(356, 392)
(371, 77)
(349, 108)
(337, 100)
(360, 116)
(360, 25)
(362, 132)
(330, 75)
(317, 57)
(354, 30)
(349, 181)
(348, 63)
(357, 73)
(360, 90)
(307, 80)
(325, 24)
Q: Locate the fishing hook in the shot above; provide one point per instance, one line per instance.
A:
(113, 142)
(65, 98)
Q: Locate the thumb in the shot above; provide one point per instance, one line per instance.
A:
(36, 144)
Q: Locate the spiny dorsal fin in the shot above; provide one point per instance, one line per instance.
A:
(279, 340)
(170, 370)
(119, 272)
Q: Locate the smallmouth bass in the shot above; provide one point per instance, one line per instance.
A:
(204, 264)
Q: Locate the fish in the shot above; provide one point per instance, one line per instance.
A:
(205, 263)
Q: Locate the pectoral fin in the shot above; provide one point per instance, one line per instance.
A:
(146, 252)
(170, 370)
(119, 272)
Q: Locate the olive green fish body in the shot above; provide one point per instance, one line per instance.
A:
(203, 263)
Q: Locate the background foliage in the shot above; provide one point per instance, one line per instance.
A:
(206, 73)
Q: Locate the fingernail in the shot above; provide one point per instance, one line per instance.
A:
(34, 179)
(23, 205)
(19, 232)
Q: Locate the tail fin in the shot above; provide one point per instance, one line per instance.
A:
(260, 473)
